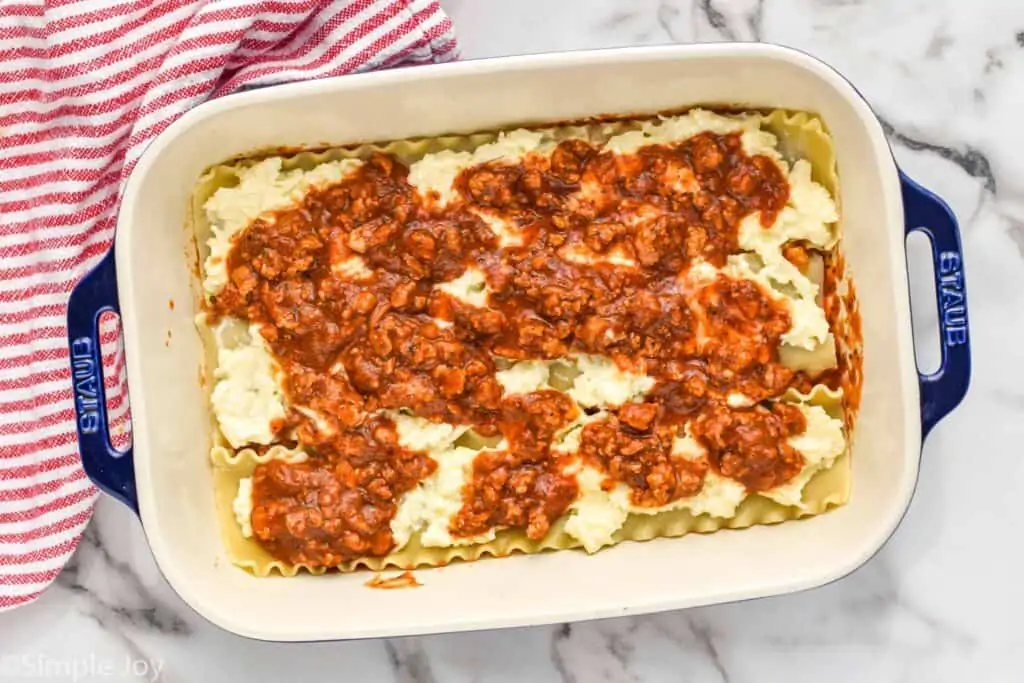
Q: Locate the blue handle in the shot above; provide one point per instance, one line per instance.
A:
(942, 390)
(110, 469)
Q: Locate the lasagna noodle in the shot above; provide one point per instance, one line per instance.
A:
(827, 488)
(800, 135)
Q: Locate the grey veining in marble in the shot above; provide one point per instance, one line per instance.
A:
(938, 604)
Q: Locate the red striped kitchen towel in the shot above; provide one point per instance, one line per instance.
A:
(85, 85)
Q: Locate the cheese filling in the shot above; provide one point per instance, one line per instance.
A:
(525, 377)
(673, 129)
(242, 506)
(602, 383)
(247, 399)
(469, 288)
(434, 175)
(430, 507)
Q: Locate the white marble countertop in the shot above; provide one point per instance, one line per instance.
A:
(939, 603)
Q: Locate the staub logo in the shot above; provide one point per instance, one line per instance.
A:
(85, 373)
(951, 299)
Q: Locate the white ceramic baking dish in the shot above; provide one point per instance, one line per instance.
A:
(167, 478)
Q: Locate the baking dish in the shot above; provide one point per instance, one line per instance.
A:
(165, 477)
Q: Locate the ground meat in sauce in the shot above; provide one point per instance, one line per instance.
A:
(326, 511)
(522, 485)
(750, 445)
(633, 448)
(350, 346)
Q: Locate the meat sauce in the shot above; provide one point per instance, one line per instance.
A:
(351, 346)
(327, 510)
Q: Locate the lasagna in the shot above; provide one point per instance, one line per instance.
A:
(537, 339)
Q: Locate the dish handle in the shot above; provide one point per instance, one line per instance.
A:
(109, 468)
(942, 390)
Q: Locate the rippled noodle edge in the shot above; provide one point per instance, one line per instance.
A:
(801, 135)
